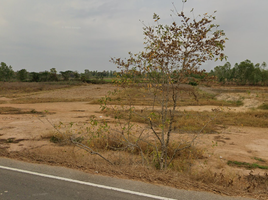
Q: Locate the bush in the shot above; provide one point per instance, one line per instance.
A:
(193, 83)
(96, 81)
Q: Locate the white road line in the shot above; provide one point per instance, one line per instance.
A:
(86, 183)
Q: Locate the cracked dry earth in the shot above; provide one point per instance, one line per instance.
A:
(20, 132)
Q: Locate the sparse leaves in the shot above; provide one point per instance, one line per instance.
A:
(171, 54)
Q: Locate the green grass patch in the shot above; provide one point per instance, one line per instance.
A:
(259, 159)
(246, 165)
(108, 80)
(263, 106)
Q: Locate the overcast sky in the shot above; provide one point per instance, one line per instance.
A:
(38, 35)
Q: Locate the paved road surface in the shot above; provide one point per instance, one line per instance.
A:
(19, 180)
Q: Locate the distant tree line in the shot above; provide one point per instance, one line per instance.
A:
(8, 74)
(244, 73)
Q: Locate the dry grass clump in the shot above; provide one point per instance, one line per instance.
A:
(254, 184)
(11, 110)
(96, 139)
(54, 137)
(250, 118)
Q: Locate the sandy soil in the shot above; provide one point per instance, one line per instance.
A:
(20, 132)
(236, 143)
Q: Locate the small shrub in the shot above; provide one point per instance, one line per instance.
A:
(54, 139)
(10, 140)
(263, 106)
(33, 111)
(96, 81)
(193, 83)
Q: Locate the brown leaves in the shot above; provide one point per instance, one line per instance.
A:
(177, 47)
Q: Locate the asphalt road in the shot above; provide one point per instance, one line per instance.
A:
(19, 180)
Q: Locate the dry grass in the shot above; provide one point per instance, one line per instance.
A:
(126, 167)
(245, 184)
(223, 119)
(101, 140)
(128, 162)
(193, 122)
(14, 89)
(240, 89)
(18, 111)
(264, 106)
(189, 96)
(46, 100)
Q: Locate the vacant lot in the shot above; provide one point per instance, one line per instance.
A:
(234, 145)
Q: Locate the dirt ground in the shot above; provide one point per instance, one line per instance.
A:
(23, 136)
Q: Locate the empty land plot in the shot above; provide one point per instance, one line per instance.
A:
(238, 134)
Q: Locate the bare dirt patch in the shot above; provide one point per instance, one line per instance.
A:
(25, 136)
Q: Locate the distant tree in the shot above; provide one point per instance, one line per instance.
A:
(53, 75)
(265, 77)
(76, 75)
(87, 74)
(6, 73)
(243, 73)
(223, 73)
(34, 77)
(261, 75)
(98, 76)
(83, 77)
(44, 76)
(66, 75)
(94, 73)
(22, 75)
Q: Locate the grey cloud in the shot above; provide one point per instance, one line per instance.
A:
(80, 34)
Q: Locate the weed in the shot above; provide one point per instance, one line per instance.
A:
(239, 103)
(263, 106)
(193, 83)
(246, 165)
(33, 111)
(10, 140)
(259, 159)
(55, 139)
